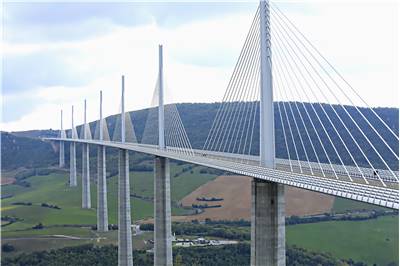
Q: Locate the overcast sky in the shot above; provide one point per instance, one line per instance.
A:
(57, 54)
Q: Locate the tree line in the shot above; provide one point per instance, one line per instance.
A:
(237, 254)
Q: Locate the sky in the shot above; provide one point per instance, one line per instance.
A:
(57, 54)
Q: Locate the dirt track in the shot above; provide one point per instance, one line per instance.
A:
(235, 190)
(7, 180)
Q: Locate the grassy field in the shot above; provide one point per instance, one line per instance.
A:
(342, 205)
(181, 185)
(69, 231)
(38, 240)
(371, 241)
(39, 244)
(53, 189)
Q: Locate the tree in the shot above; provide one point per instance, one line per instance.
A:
(7, 247)
(38, 226)
(178, 260)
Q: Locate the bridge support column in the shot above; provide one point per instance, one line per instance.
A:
(72, 165)
(62, 155)
(124, 212)
(102, 211)
(62, 135)
(267, 223)
(162, 213)
(86, 203)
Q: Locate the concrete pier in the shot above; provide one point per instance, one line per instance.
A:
(86, 202)
(267, 224)
(72, 165)
(124, 212)
(62, 156)
(162, 194)
(102, 211)
(162, 213)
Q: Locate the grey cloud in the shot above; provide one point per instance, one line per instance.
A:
(40, 69)
(16, 107)
(36, 22)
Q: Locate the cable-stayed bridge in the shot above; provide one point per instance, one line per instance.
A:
(288, 117)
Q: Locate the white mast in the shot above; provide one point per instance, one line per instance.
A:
(101, 117)
(267, 138)
(161, 136)
(123, 110)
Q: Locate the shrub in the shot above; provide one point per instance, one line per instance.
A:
(7, 247)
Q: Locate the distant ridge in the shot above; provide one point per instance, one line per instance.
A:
(24, 149)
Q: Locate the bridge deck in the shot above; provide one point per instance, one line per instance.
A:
(374, 194)
(348, 173)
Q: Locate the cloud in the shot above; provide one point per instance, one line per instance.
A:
(29, 65)
(28, 72)
(44, 22)
(56, 68)
(37, 22)
(16, 107)
(99, 62)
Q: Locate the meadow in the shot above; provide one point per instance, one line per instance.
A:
(372, 241)
(341, 205)
(53, 189)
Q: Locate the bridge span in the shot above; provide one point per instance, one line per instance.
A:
(377, 195)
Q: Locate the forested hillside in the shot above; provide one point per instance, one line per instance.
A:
(226, 255)
(19, 149)
(26, 152)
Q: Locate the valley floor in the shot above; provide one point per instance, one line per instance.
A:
(370, 241)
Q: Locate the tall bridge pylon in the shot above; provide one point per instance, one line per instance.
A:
(162, 191)
(267, 198)
(124, 195)
(62, 135)
(102, 210)
(85, 134)
(72, 151)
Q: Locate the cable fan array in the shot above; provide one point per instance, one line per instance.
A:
(176, 138)
(354, 138)
(175, 134)
(73, 134)
(103, 124)
(85, 132)
(319, 128)
(150, 132)
(130, 135)
(235, 128)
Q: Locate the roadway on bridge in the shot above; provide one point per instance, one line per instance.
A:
(372, 193)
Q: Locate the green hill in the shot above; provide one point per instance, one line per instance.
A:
(19, 149)
(53, 190)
